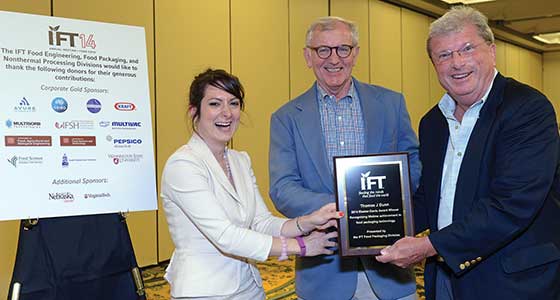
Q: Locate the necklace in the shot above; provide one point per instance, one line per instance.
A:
(228, 168)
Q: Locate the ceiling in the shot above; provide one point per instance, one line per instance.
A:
(515, 21)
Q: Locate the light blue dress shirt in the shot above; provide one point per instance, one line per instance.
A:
(459, 134)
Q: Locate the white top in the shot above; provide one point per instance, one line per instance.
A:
(215, 227)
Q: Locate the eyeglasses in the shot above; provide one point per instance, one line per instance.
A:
(467, 51)
(325, 52)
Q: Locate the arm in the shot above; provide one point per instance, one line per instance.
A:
(287, 192)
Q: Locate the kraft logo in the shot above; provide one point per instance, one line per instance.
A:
(93, 106)
(125, 106)
(367, 182)
(59, 104)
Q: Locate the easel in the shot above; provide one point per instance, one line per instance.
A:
(41, 271)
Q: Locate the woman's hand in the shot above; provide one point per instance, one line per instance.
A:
(317, 243)
(324, 217)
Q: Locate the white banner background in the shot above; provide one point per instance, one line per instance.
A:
(100, 157)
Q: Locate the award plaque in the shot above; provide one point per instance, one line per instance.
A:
(375, 195)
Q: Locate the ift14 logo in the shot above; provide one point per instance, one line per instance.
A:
(57, 38)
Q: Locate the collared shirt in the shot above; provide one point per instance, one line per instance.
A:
(459, 134)
(342, 123)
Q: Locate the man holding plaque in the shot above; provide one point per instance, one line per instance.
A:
(337, 116)
(489, 186)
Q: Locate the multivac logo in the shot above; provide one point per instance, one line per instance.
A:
(93, 105)
(59, 104)
(367, 182)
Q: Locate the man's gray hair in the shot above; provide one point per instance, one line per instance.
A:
(329, 23)
(454, 21)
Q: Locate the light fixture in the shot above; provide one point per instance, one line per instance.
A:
(466, 1)
(548, 38)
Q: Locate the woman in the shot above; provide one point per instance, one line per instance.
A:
(217, 218)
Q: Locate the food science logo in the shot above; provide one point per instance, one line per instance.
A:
(25, 160)
(62, 38)
(125, 106)
(24, 106)
(59, 104)
(93, 106)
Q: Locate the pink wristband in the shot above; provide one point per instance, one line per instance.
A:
(284, 253)
(301, 244)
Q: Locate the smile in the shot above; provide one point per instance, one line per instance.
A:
(461, 76)
(223, 124)
(333, 70)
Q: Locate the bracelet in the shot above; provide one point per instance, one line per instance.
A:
(303, 232)
(284, 253)
(301, 244)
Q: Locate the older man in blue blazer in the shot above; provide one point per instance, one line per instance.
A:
(490, 186)
(338, 115)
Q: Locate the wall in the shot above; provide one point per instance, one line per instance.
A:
(261, 42)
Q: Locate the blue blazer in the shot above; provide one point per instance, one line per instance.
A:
(301, 182)
(505, 237)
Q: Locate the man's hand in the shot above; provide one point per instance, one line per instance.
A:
(407, 251)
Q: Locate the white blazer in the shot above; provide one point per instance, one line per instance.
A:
(215, 228)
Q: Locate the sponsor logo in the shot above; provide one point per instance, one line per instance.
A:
(123, 143)
(74, 124)
(27, 141)
(93, 105)
(125, 106)
(71, 39)
(22, 124)
(65, 163)
(64, 196)
(104, 124)
(65, 181)
(24, 106)
(59, 104)
(99, 195)
(79, 141)
(66, 160)
(125, 158)
(25, 160)
(125, 125)
(369, 182)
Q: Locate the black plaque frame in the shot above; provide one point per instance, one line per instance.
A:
(364, 231)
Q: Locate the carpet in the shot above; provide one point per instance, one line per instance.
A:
(278, 280)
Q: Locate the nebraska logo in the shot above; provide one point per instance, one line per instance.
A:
(125, 106)
(66, 197)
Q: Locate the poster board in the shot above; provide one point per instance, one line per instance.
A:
(75, 118)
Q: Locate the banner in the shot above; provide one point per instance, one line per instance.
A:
(75, 118)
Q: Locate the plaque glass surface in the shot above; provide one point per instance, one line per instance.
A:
(375, 195)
